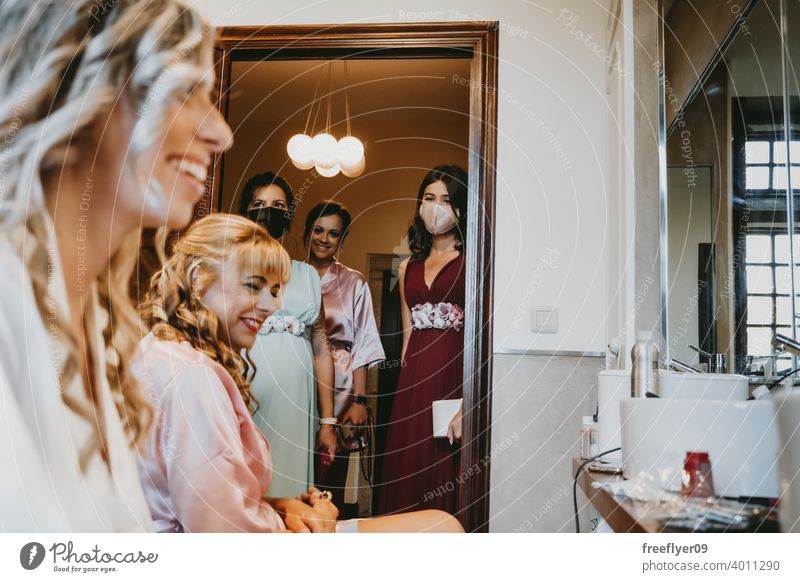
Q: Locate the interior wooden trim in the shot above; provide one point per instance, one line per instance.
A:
(409, 40)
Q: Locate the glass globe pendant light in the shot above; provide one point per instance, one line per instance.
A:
(323, 152)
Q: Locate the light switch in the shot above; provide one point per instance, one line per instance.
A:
(544, 319)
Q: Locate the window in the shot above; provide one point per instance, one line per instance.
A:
(766, 170)
(769, 300)
(763, 165)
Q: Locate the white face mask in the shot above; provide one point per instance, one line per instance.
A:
(438, 218)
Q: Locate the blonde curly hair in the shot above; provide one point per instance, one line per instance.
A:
(174, 309)
(65, 63)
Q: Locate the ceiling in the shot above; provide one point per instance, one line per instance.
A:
(274, 92)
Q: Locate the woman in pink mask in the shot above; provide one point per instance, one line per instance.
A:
(419, 470)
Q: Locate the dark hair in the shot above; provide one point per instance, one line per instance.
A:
(262, 181)
(327, 208)
(455, 180)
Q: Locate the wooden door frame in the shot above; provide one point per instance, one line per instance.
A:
(477, 41)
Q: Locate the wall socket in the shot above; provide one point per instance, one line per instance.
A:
(544, 319)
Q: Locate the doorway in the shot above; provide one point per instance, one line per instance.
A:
(444, 61)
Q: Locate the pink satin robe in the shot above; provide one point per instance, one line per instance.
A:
(206, 466)
(351, 329)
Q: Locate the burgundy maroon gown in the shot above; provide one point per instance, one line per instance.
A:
(419, 471)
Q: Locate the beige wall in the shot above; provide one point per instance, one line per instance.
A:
(402, 143)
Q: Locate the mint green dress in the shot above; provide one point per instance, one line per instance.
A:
(284, 383)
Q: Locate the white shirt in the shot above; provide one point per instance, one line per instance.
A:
(42, 488)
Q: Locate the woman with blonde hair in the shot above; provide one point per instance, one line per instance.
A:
(107, 127)
(207, 467)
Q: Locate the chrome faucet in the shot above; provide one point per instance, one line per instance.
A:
(717, 363)
(787, 344)
(676, 364)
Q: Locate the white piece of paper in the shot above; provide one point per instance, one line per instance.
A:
(443, 413)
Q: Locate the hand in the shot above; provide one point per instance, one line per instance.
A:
(316, 516)
(356, 415)
(454, 429)
(327, 438)
(325, 508)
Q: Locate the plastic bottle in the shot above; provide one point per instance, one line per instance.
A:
(586, 437)
(644, 373)
(697, 479)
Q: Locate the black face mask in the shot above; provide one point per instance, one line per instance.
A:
(275, 220)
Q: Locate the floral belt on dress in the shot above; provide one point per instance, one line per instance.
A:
(282, 323)
(437, 316)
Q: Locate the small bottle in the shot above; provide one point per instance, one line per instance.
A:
(644, 373)
(697, 479)
(593, 439)
(586, 437)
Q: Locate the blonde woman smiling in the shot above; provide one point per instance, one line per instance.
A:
(207, 467)
(107, 128)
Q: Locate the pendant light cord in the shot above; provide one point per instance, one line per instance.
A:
(311, 110)
(347, 98)
(330, 96)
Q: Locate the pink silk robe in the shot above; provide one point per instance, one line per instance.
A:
(351, 329)
(206, 466)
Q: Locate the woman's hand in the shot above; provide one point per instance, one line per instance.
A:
(454, 429)
(356, 415)
(311, 514)
(326, 511)
(327, 438)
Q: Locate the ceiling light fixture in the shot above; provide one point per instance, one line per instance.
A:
(323, 152)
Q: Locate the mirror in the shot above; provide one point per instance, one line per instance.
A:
(733, 179)
(416, 92)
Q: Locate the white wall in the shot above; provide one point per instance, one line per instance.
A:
(551, 234)
(551, 150)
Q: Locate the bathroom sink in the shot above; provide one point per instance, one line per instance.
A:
(787, 410)
(702, 386)
(741, 439)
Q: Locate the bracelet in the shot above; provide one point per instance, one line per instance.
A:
(359, 399)
(332, 420)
